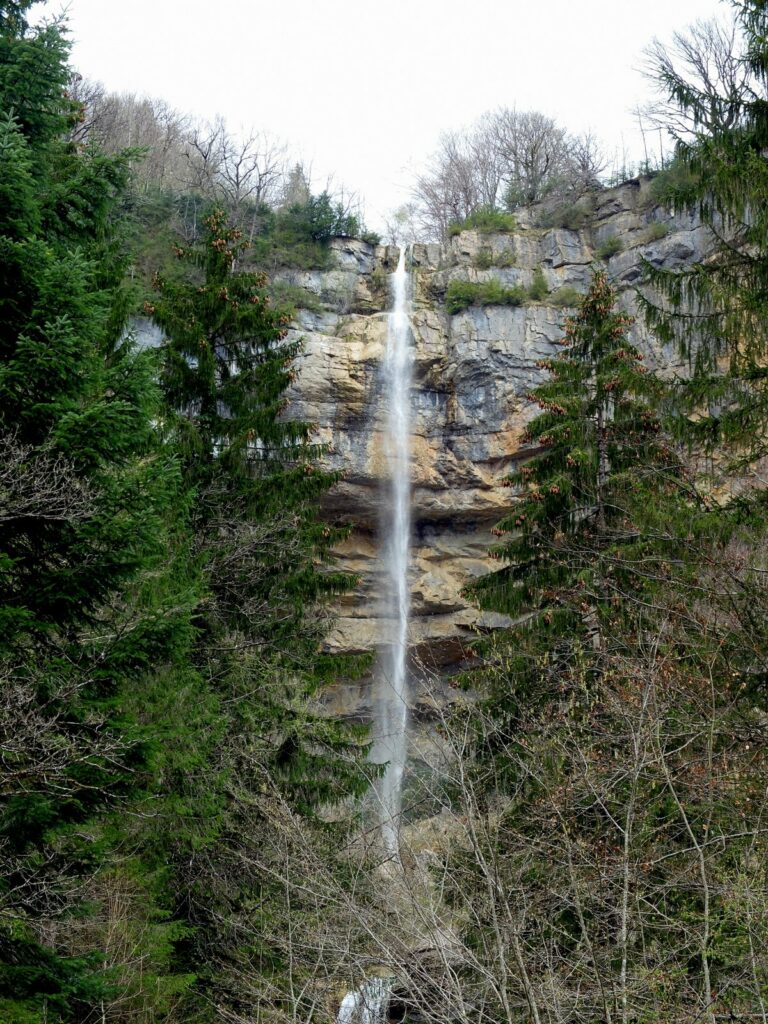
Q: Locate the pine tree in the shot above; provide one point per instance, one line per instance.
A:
(265, 559)
(595, 458)
(715, 307)
(86, 492)
(227, 363)
(611, 850)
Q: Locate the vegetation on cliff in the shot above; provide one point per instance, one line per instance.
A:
(163, 576)
(615, 784)
(178, 831)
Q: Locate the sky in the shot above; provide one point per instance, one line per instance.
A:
(361, 89)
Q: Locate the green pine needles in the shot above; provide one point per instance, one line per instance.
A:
(715, 308)
(589, 451)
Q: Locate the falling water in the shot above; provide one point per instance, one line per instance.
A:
(392, 688)
(367, 1004)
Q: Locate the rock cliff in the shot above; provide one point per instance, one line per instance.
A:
(472, 371)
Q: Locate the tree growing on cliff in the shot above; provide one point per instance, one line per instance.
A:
(507, 158)
(595, 450)
(715, 308)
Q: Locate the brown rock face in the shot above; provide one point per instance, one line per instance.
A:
(472, 372)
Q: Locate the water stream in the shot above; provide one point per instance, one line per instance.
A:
(391, 688)
(367, 1004)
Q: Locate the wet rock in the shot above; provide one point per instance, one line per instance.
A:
(472, 372)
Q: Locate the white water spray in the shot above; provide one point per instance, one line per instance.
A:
(367, 1004)
(392, 686)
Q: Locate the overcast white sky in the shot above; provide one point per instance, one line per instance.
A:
(362, 89)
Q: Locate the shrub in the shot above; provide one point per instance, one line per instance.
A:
(485, 220)
(538, 289)
(566, 215)
(655, 230)
(566, 296)
(273, 251)
(609, 247)
(669, 183)
(379, 278)
(487, 258)
(291, 297)
(461, 294)
(371, 237)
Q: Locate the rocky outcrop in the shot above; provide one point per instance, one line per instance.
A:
(472, 372)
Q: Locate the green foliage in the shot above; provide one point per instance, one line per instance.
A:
(225, 367)
(266, 562)
(655, 231)
(485, 220)
(379, 278)
(571, 216)
(594, 428)
(606, 765)
(538, 288)
(33, 78)
(296, 237)
(484, 259)
(714, 309)
(88, 497)
(317, 220)
(487, 258)
(610, 246)
(291, 297)
(566, 295)
(299, 234)
(460, 295)
(670, 183)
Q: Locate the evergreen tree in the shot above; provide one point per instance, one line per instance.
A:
(610, 853)
(595, 460)
(589, 529)
(85, 528)
(227, 363)
(715, 307)
(265, 559)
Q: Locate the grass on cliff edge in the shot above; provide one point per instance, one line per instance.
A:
(484, 220)
(460, 295)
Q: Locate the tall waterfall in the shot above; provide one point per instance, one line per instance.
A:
(392, 685)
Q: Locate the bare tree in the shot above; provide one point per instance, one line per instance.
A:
(40, 484)
(202, 153)
(586, 163)
(115, 122)
(533, 150)
(703, 66)
(401, 225)
(506, 158)
(252, 169)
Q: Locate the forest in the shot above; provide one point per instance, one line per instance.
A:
(185, 829)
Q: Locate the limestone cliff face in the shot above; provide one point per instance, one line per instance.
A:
(472, 371)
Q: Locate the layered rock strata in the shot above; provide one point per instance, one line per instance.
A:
(472, 372)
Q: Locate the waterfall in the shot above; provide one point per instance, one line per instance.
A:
(367, 1004)
(391, 694)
